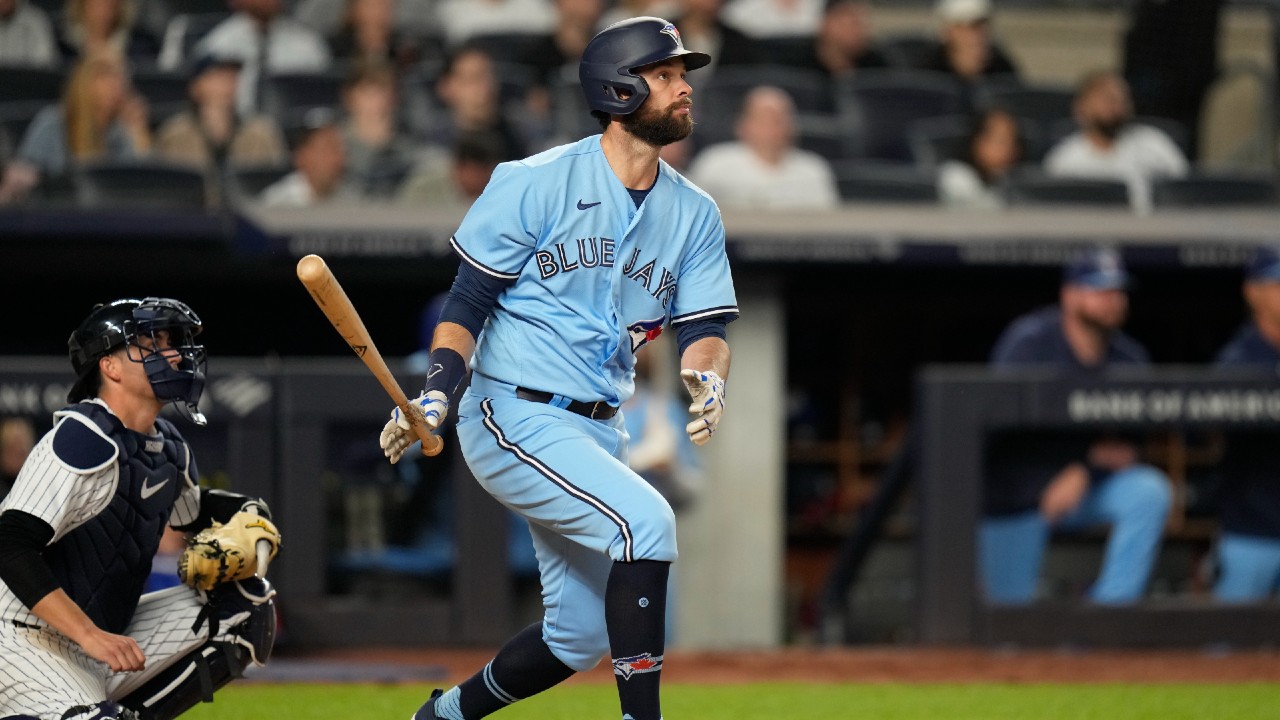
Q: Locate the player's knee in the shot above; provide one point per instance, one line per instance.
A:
(650, 535)
(584, 654)
(1148, 491)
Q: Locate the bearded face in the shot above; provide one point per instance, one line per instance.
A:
(660, 126)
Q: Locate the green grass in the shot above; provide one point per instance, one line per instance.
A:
(787, 701)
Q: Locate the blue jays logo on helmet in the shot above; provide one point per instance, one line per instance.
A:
(670, 29)
(643, 332)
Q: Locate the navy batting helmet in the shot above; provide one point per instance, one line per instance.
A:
(120, 322)
(610, 59)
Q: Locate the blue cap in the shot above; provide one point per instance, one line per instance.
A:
(1099, 268)
(1264, 265)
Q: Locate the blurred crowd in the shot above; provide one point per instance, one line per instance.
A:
(806, 105)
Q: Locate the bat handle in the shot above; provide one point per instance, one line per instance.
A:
(263, 550)
(431, 444)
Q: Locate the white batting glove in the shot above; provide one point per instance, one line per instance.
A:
(707, 390)
(397, 435)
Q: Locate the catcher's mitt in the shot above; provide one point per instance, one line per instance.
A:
(222, 553)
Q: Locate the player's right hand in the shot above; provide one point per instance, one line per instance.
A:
(120, 652)
(432, 408)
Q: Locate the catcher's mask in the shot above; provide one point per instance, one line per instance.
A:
(165, 323)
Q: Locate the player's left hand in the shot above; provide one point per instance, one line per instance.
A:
(707, 391)
(397, 435)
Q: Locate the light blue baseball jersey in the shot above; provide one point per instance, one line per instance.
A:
(595, 277)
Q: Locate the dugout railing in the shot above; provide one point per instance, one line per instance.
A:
(959, 407)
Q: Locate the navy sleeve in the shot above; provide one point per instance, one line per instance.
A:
(220, 505)
(472, 297)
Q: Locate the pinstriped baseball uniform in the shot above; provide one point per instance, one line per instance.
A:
(41, 672)
(593, 278)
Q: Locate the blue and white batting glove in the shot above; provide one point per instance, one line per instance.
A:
(707, 390)
(398, 435)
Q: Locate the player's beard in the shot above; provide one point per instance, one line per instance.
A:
(659, 127)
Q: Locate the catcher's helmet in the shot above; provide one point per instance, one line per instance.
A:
(609, 61)
(120, 322)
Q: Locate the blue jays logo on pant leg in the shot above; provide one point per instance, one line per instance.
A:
(644, 331)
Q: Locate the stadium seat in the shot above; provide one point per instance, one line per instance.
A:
(165, 92)
(288, 97)
(784, 51)
(1044, 105)
(908, 50)
(882, 105)
(1034, 188)
(31, 84)
(825, 135)
(935, 140)
(244, 183)
(1215, 190)
(15, 116)
(139, 183)
(869, 181)
(716, 103)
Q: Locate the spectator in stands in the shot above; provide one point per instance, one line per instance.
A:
(210, 135)
(619, 10)
(461, 20)
(98, 118)
(319, 161)
(967, 48)
(17, 439)
(775, 18)
(764, 168)
(843, 44)
(993, 149)
(369, 32)
(26, 35)
(470, 94)
(703, 29)
(88, 24)
(1110, 145)
(1248, 495)
(1064, 481)
(453, 180)
(267, 40)
(379, 155)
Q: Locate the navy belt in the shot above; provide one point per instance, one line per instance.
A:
(598, 410)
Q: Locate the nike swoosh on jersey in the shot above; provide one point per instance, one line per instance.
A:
(149, 490)
(584, 206)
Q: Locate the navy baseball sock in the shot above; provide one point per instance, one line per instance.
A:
(523, 667)
(635, 611)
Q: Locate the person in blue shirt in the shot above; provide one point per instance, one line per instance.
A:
(1248, 496)
(1060, 480)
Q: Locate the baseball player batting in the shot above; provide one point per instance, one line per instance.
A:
(572, 260)
(78, 638)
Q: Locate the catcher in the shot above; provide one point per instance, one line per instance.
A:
(78, 638)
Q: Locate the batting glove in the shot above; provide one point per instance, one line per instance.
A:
(397, 435)
(707, 390)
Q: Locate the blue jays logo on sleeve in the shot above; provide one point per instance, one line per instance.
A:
(643, 332)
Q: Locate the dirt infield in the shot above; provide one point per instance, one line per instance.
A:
(895, 665)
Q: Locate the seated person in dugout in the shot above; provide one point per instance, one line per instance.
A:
(1071, 481)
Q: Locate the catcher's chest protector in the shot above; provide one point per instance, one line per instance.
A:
(103, 564)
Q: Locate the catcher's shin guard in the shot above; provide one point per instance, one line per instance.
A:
(187, 682)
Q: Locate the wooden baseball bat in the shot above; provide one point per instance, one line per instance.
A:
(332, 299)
